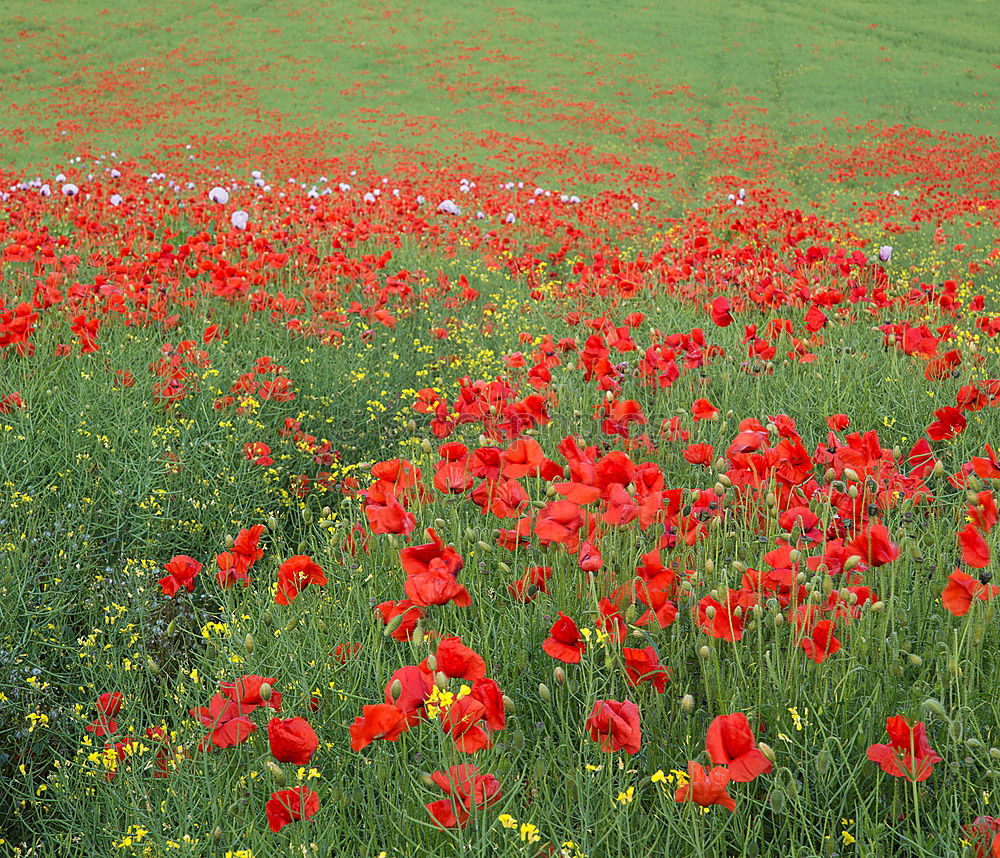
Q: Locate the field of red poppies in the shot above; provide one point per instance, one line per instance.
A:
(499, 433)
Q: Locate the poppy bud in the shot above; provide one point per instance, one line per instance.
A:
(719, 489)
(771, 500)
(276, 773)
(709, 566)
(291, 624)
(427, 780)
(558, 675)
(915, 659)
(974, 743)
(935, 706)
(974, 484)
(687, 704)
(154, 668)
(484, 546)
(508, 705)
(248, 644)
(432, 663)
(725, 482)
(710, 612)
(995, 753)
(704, 652)
(778, 619)
(851, 562)
(230, 542)
(777, 802)
(265, 691)
(938, 468)
(794, 555)
(544, 693)
(395, 690)
(426, 446)
(766, 750)
(307, 515)
(217, 834)
(171, 627)
(411, 426)
(823, 761)
(827, 585)
(504, 567)
(268, 618)
(738, 567)
(878, 607)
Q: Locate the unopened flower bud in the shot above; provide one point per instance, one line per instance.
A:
(704, 652)
(441, 681)
(217, 834)
(276, 773)
(544, 693)
(395, 690)
(265, 691)
(508, 705)
(558, 675)
(229, 541)
(172, 627)
(307, 515)
(766, 750)
(272, 523)
(248, 644)
(426, 445)
(851, 562)
(850, 475)
(687, 704)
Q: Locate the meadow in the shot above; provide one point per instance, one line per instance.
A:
(552, 429)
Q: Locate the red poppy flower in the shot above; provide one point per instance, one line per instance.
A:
(436, 587)
(415, 685)
(699, 454)
(559, 521)
(730, 742)
(821, 643)
(975, 550)
(643, 665)
(706, 788)
(406, 609)
(457, 661)
(461, 722)
(909, 754)
(292, 740)
(108, 706)
(434, 555)
(961, 589)
(950, 422)
(468, 790)
(534, 582)
(181, 571)
(983, 835)
(296, 573)
(246, 691)
(616, 726)
(522, 458)
(289, 805)
(564, 641)
(702, 409)
(226, 723)
(720, 309)
(838, 422)
(873, 546)
(381, 721)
